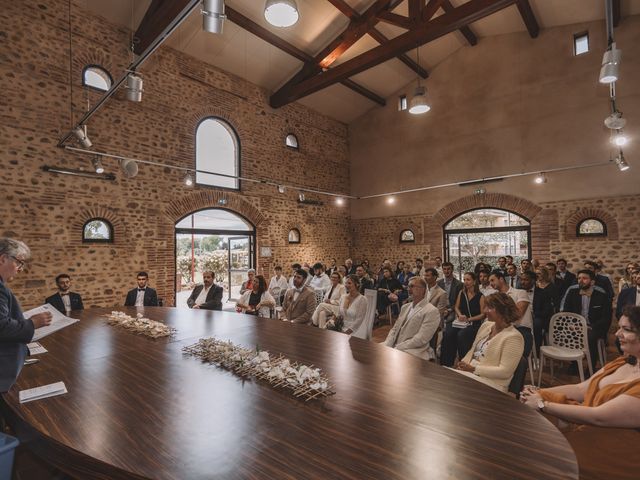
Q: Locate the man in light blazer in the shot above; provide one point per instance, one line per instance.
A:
(435, 295)
(299, 301)
(207, 296)
(417, 323)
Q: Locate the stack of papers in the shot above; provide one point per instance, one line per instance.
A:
(36, 349)
(45, 391)
(58, 321)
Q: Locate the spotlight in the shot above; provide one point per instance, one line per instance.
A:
(134, 88)
(418, 103)
(619, 139)
(213, 16)
(339, 201)
(301, 197)
(97, 164)
(81, 135)
(480, 191)
(222, 201)
(610, 65)
(188, 179)
(615, 121)
(621, 162)
(129, 168)
(281, 13)
(281, 189)
(391, 200)
(540, 178)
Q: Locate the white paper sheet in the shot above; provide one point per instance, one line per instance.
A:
(58, 322)
(36, 349)
(45, 391)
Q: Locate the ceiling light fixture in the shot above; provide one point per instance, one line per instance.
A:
(188, 179)
(339, 201)
(97, 164)
(301, 197)
(480, 191)
(619, 139)
(222, 201)
(213, 16)
(391, 200)
(615, 121)
(540, 178)
(81, 135)
(610, 70)
(281, 189)
(133, 87)
(281, 13)
(129, 168)
(621, 162)
(418, 103)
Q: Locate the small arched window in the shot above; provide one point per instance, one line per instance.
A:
(95, 76)
(97, 230)
(217, 152)
(591, 227)
(291, 141)
(294, 235)
(407, 236)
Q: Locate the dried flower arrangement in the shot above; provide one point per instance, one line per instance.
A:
(140, 325)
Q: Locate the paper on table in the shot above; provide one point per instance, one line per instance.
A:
(45, 391)
(36, 349)
(59, 321)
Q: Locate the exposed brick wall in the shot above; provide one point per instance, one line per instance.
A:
(48, 211)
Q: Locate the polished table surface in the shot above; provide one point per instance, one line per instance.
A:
(140, 408)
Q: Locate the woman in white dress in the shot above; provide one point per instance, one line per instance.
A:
(353, 308)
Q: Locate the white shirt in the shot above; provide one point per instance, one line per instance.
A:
(278, 283)
(66, 299)
(140, 297)
(518, 295)
(488, 290)
(320, 282)
(202, 298)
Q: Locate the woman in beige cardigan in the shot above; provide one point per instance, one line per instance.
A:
(498, 346)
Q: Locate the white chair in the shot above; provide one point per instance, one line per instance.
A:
(568, 341)
(370, 317)
(319, 296)
(602, 351)
(276, 292)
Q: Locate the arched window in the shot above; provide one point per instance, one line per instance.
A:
(407, 236)
(217, 151)
(97, 230)
(95, 76)
(294, 235)
(484, 235)
(291, 141)
(591, 227)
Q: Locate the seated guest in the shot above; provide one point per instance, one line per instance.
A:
(143, 296)
(607, 406)
(469, 308)
(363, 279)
(512, 276)
(207, 296)
(452, 286)
(386, 263)
(629, 296)
(544, 303)
(600, 280)
(502, 265)
(566, 277)
(498, 346)
(519, 296)
(333, 267)
(248, 283)
(278, 284)
(417, 271)
(485, 287)
(15, 330)
(353, 309)
(436, 296)
(294, 268)
(320, 280)
(526, 265)
(555, 281)
(399, 268)
(299, 301)
(64, 300)
(331, 303)
(367, 269)
(628, 279)
(387, 285)
(405, 275)
(416, 324)
(258, 301)
(594, 304)
(437, 266)
(343, 272)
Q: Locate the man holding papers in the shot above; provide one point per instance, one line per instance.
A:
(15, 330)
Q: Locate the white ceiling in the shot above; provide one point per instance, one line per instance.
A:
(249, 57)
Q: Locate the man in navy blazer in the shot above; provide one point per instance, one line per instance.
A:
(143, 296)
(64, 300)
(628, 296)
(15, 330)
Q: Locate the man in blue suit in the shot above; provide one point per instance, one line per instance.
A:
(15, 330)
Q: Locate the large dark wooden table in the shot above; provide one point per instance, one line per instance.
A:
(139, 408)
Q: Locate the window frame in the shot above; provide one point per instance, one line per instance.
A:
(291, 134)
(413, 236)
(234, 133)
(591, 235)
(109, 225)
(102, 69)
(403, 104)
(294, 242)
(576, 37)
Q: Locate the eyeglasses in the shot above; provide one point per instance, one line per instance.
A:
(21, 263)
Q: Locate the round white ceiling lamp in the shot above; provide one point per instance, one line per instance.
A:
(418, 103)
(281, 13)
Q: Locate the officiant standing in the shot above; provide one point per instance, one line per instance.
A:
(15, 330)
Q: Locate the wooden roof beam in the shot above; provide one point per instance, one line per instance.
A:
(464, 30)
(463, 15)
(157, 17)
(529, 18)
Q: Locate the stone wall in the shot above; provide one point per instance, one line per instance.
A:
(39, 104)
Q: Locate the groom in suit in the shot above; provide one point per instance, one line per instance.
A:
(143, 296)
(299, 301)
(417, 323)
(64, 300)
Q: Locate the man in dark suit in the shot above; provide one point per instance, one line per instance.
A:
(543, 305)
(365, 281)
(348, 264)
(566, 277)
(64, 300)
(601, 281)
(628, 296)
(593, 303)
(452, 286)
(207, 296)
(143, 296)
(15, 330)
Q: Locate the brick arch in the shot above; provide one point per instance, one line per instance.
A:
(414, 227)
(502, 201)
(95, 57)
(209, 198)
(119, 233)
(582, 214)
(195, 117)
(290, 226)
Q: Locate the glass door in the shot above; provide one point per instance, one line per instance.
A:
(240, 252)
